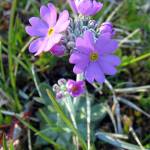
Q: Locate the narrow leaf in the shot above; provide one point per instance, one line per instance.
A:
(116, 142)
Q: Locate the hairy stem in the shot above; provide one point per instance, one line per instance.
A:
(88, 103)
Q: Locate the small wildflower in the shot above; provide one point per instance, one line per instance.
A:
(95, 59)
(106, 29)
(86, 7)
(47, 29)
(75, 88)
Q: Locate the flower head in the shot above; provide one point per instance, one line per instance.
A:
(75, 88)
(86, 7)
(106, 29)
(47, 29)
(95, 58)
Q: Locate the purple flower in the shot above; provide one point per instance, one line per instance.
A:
(47, 29)
(58, 50)
(75, 88)
(86, 7)
(106, 29)
(95, 59)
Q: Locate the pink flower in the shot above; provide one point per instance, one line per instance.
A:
(48, 29)
(95, 59)
(75, 88)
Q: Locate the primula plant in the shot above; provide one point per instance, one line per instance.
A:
(73, 108)
(91, 48)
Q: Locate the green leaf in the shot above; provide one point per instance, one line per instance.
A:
(5, 143)
(11, 147)
(116, 142)
(50, 141)
(98, 112)
(65, 119)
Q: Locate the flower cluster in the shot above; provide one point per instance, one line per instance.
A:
(89, 45)
(71, 87)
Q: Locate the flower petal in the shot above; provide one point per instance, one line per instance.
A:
(38, 27)
(92, 72)
(62, 22)
(89, 38)
(49, 14)
(37, 22)
(48, 43)
(106, 45)
(63, 27)
(84, 7)
(77, 57)
(111, 59)
(97, 6)
(80, 60)
(85, 44)
(35, 45)
(82, 46)
(107, 68)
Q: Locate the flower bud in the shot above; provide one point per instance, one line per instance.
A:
(62, 82)
(85, 7)
(56, 88)
(58, 50)
(75, 88)
(59, 95)
(106, 29)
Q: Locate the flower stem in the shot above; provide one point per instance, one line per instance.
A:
(68, 103)
(88, 103)
(117, 106)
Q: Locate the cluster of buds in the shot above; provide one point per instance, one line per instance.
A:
(71, 87)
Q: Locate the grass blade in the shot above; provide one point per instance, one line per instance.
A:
(11, 147)
(132, 105)
(47, 139)
(5, 143)
(10, 55)
(116, 142)
(1, 63)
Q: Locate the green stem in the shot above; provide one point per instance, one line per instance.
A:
(135, 60)
(88, 104)
(128, 37)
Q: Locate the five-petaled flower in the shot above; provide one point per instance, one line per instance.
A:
(94, 59)
(86, 7)
(75, 88)
(47, 29)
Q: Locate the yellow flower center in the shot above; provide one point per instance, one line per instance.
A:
(50, 31)
(94, 56)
